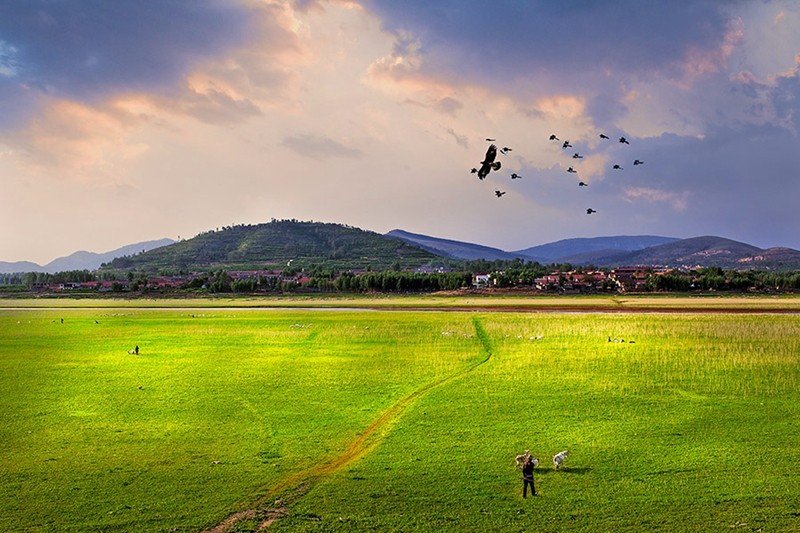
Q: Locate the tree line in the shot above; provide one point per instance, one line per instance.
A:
(503, 274)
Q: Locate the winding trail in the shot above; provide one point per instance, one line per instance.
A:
(275, 501)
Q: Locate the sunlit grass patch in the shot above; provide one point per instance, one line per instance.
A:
(692, 412)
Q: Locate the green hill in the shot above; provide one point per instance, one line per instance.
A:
(278, 244)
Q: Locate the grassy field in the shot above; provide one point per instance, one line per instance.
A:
(488, 301)
(354, 420)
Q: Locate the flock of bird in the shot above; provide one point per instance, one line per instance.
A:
(490, 163)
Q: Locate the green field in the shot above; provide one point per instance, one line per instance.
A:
(397, 420)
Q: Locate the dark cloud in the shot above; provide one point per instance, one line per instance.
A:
(448, 105)
(85, 49)
(785, 96)
(605, 108)
(507, 39)
(461, 140)
(319, 147)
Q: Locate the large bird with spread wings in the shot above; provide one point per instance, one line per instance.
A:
(488, 164)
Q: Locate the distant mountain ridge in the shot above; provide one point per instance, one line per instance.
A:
(554, 252)
(707, 251)
(629, 250)
(560, 251)
(451, 248)
(82, 260)
(279, 244)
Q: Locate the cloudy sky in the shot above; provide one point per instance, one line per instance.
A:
(134, 120)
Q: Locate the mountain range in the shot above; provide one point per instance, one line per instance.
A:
(555, 252)
(81, 260)
(315, 244)
(627, 250)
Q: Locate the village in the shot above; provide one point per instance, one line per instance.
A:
(572, 281)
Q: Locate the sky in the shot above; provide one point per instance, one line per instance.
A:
(134, 120)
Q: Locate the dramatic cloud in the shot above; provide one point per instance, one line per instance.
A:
(87, 50)
(193, 115)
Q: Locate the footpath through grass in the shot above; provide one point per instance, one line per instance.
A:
(217, 406)
(691, 427)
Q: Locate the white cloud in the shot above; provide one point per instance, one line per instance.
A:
(677, 200)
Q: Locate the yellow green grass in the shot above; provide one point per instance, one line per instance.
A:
(487, 300)
(396, 420)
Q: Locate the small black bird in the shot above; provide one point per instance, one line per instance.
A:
(572, 170)
(638, 162)
(499, 193)
(582, 184)
(566, 145)
(554, 138)
(617, 167)
(474, 170)
(623, 140)
(515, 176)
(603, 136)
(504, 150)
(490, 140)
(577, 156)
(590, 211)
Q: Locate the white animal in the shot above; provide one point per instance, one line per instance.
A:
(559, 458)
(521, 458)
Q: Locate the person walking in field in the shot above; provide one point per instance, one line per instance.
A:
(136, 350)
(527, 477)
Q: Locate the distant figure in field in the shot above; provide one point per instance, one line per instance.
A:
(136, 350)
(527, 477)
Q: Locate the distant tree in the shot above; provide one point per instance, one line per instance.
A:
(221, 282)
(244, 285)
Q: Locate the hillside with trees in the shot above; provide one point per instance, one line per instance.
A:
(278, 244)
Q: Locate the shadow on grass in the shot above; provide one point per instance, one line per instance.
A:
(564, 470)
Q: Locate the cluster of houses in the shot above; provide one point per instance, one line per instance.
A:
(627, 278)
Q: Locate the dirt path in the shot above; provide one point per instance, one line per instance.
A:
(276, 500)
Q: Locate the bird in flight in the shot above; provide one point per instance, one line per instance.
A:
(490, 140)
(572, 170)
(577, 156)
(515, 176)
(623, 140)
(554, 138)
(488, 164)
(590, 211)
(617, 167)
(638, 162)
(582, 184)
(499, 193)
(505, 149)
(603, 136)
(566, 145)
